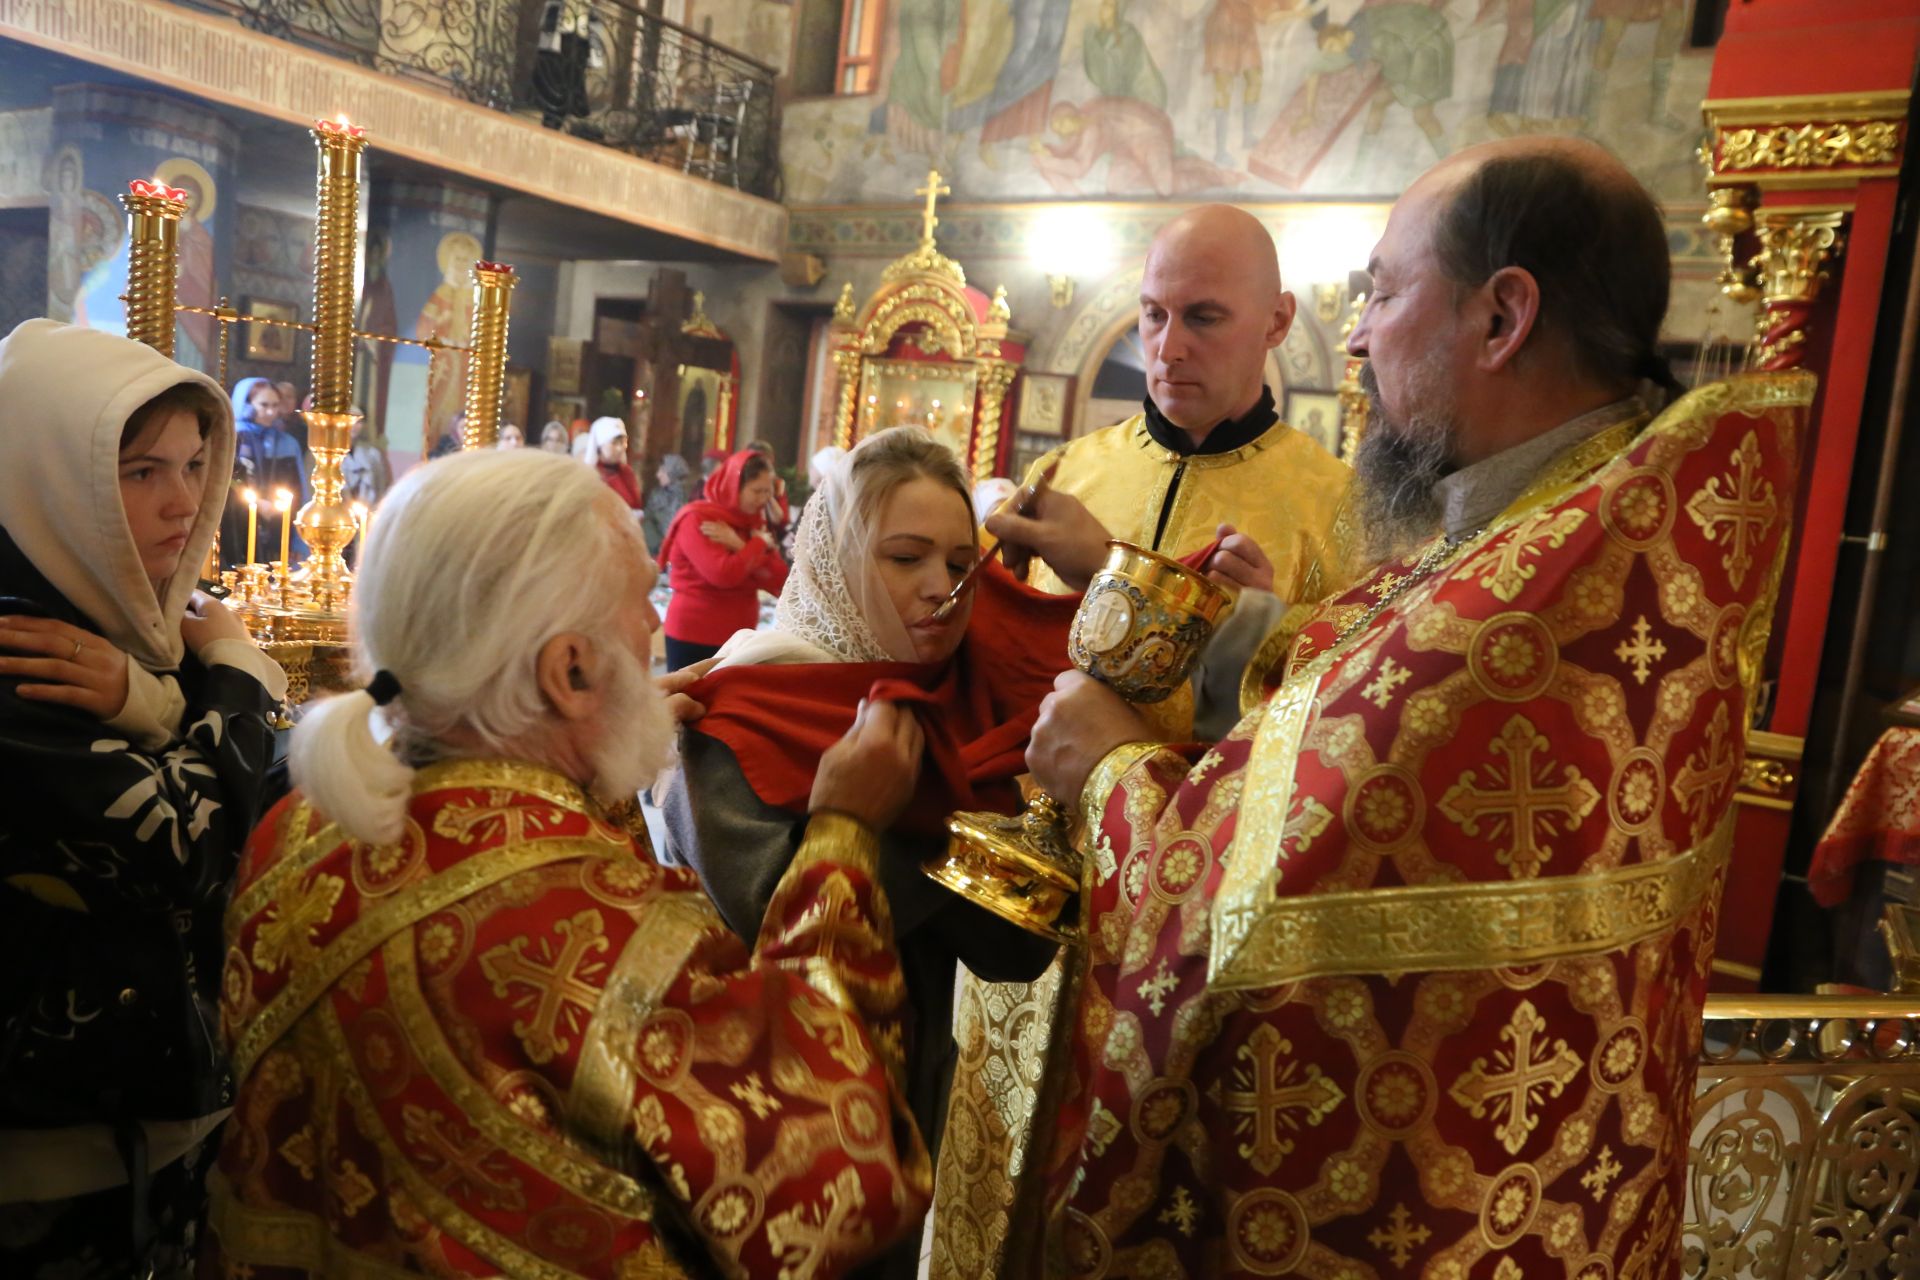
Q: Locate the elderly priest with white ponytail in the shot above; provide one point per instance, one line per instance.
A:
(478, 1029)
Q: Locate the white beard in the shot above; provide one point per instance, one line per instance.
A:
(638, 743)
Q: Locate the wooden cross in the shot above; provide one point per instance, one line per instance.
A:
(455, 1160)
(1640, 655)
(1399, 1242)
(559, 984)
(932, 191)
(1523, 799)
(1746, 504)
(1512, 1087)
(1269, 1094)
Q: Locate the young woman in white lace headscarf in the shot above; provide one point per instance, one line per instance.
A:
(881, 543)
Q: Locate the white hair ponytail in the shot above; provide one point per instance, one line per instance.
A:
(347, 774)
(472, 564)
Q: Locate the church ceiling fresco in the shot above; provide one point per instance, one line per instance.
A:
(1247, 100)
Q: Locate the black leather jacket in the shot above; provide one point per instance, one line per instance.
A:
(114, 868)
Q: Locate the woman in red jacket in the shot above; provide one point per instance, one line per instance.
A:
(719, 558)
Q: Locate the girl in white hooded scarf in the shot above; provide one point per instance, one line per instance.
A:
(134, 747)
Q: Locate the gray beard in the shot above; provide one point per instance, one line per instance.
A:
(1396, 469)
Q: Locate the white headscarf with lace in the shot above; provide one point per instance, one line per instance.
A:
(834, 607)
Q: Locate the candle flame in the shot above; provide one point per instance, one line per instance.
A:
(283, 499)
(359, 510)
(253, 499)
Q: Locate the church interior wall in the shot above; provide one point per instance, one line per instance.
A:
(1070, 129)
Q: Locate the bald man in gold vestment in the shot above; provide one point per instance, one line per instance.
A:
(1207, 454)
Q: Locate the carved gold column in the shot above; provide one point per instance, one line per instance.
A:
(493, 284)
(1354, 408)
(846, 366)
(1792, 264)
(326, 522)
(994, 378)
(153, 228)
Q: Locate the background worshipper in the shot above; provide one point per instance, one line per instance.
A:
(610, 459)
(719, 557)
(1511, 340)
(672, 490)
(366, 473)
(511, 437)
(1207, 455)
(400, 922)
(880, 546)
(554, 438)
(581, 447)
(134, 748)
(266, 459)
(293, 418)
(452, 440)
(777, 513)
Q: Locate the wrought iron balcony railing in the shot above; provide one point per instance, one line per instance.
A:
(604, 70)
(1805, 1152)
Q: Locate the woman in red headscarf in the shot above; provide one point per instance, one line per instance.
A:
(719, 557)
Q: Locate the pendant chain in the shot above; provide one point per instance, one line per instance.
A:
(1428, 564)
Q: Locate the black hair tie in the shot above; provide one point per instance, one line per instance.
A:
(385, 687)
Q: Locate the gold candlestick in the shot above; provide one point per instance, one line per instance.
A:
(493, 284)
(325, 522)
(283, 503)
(153, 228)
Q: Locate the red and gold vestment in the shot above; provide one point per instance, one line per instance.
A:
(1404, 977)
(512, 1043)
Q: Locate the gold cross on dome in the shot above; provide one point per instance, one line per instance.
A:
(932, 191)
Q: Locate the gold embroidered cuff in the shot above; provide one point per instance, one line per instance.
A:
(841, 839)
(1106, 775)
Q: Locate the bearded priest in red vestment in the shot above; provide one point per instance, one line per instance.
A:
(1404, 977)
(477, 1029)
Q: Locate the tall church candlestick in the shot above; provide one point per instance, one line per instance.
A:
(153, 228)
(325, 522)
(493, 284)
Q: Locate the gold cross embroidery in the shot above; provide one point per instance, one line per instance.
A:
(803, 1236)
(754, 1093)
(1744, 505)
(501, 818)
(1399, 1241)
(1183, 1213)
(1640, 655)
(1500, 568)
(1384, 587)
(1524, 802)
(1156, 989)
(1706, 771)
(456, 1161)
(1519, 1080)
(1605, 1170)
(1266, 1096)
(559, 986)
(1390, 677)
(286, 933)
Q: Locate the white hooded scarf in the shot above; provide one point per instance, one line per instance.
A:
(66, 393)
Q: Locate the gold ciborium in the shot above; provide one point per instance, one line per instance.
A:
(1139, 630)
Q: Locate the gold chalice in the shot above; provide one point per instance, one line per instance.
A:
(1139, 630)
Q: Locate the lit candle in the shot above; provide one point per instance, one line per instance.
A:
(253, 524)
(283, 503)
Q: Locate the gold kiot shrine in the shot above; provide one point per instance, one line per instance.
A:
(929, 350)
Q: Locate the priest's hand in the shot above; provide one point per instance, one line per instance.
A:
(1080, 722)
(1239, 562)
(871, 772)
(673, 686)
(1060, 531)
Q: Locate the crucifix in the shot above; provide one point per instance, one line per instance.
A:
(932, 191)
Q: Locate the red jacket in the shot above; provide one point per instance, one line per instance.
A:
(716, 592)
(620, 478)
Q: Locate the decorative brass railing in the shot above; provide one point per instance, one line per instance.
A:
(604, 70)
(1805, 1150)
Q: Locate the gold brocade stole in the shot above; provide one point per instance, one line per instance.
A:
(1261, 939)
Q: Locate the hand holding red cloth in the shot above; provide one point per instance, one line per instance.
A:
(977, 710)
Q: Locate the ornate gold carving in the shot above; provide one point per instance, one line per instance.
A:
(1729, 216)
(493, 284)
(698, 324)
(1803, 1156)
(843, 305)
(998, 312)
(154, 212)
(926, 259)
(1811, 146)
(995, 377)
(1767, 777)
(1794, 253)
